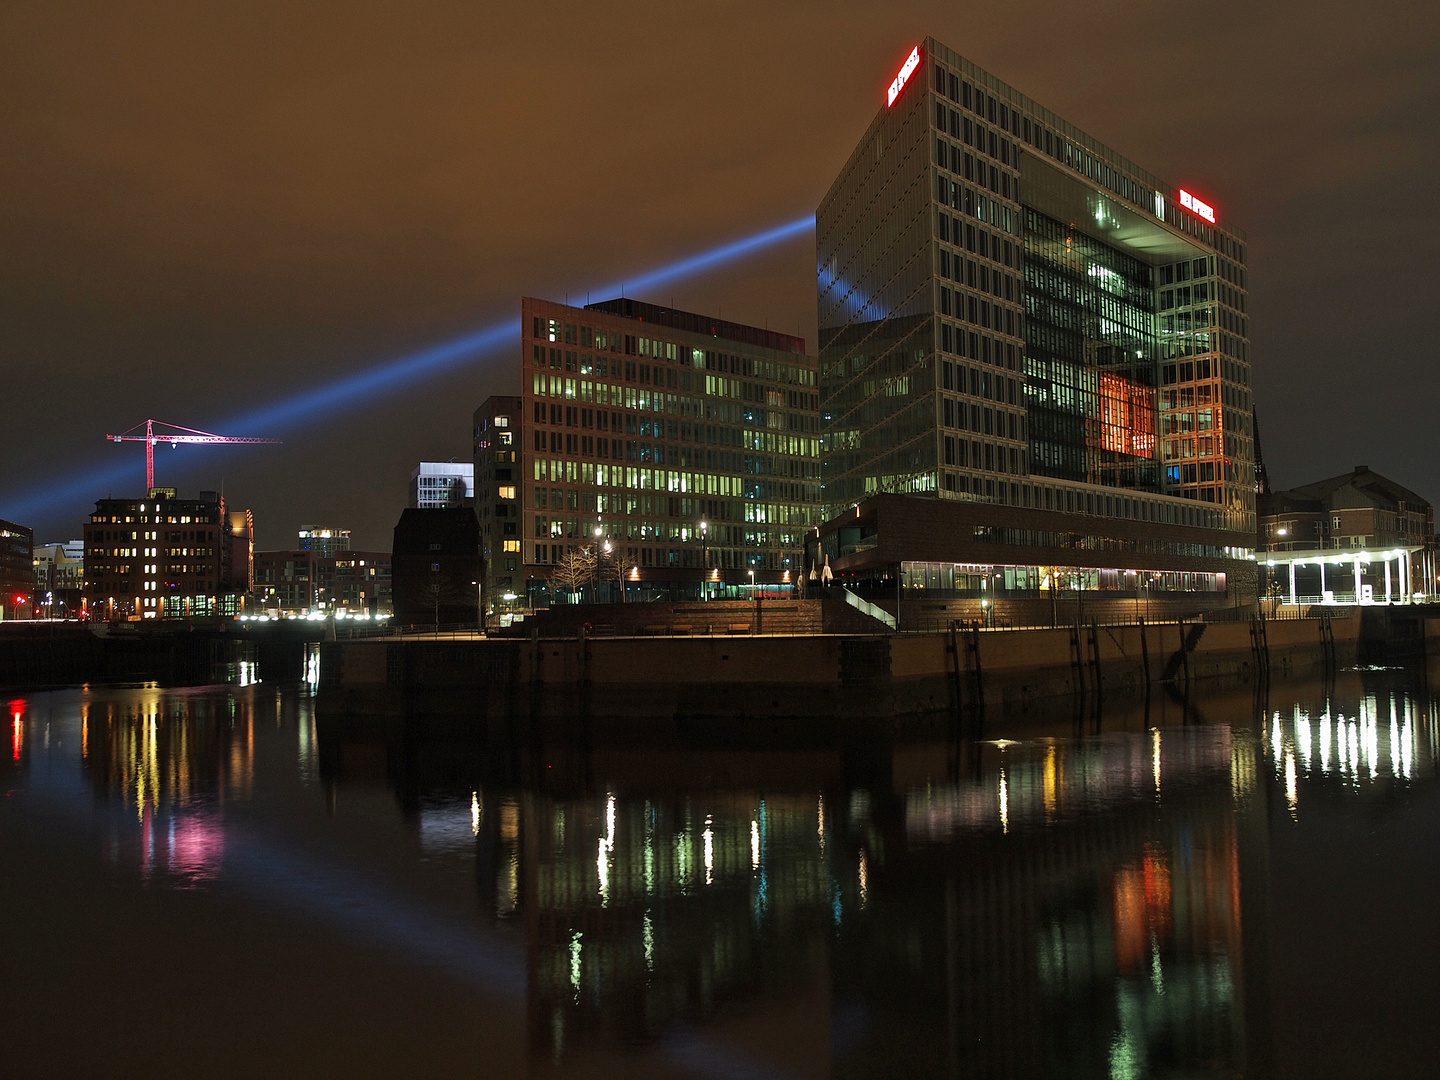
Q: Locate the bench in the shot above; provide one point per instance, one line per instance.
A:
(738, 628)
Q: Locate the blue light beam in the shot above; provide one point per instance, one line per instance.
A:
(406, 372)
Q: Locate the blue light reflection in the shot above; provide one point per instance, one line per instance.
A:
(406, 373)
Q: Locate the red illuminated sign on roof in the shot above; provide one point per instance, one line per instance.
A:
(1191, 203)
(906, 70)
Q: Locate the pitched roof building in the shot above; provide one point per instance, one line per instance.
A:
(1355, 538)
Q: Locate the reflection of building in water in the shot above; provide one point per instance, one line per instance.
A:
(1072, 903)
(1385, 738)
(1053, 907)
(1073, 909)
(163, 750)
(174, 760)
(641, 912)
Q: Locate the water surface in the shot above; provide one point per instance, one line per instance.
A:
(211, 882)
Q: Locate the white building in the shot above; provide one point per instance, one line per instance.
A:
(438, 484)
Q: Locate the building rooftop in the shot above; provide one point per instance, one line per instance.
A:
(700, 324)
(1368, 487)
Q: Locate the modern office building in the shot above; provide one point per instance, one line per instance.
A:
(1358, 538)
(437, 484)
(1014, 315)
(324, 541)
(300, 582)
(497, 502)
(59, 579)
(287, 581)
(162, 556)
(17, 570)
(689, 445)
(357, 582)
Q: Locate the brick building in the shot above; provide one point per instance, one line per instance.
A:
(687, 444)
(1354, 538)
(163, 556)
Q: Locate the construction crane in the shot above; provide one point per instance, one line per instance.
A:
(174, 438)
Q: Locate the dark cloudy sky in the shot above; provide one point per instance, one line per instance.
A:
(208, 207)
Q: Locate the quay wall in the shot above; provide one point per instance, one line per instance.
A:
(815, 675)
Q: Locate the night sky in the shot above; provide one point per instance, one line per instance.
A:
(208, 208)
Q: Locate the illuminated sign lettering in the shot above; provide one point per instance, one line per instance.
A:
(1191, 203)
(906, 70)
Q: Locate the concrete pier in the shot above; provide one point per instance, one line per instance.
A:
(693, 678)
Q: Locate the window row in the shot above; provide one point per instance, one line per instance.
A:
(980, 383)
(977, 312)
(974, 134)
(986, 350)
(952, 266)
(990, 457)
(543, 356)
(962, 163)
(973, 204)
(986, 244)
(969, 416)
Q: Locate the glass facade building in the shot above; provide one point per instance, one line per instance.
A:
(1012, 313)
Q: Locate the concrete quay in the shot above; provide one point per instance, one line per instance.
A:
(763, 676)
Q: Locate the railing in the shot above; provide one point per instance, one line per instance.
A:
(444, 631)
(873, 610)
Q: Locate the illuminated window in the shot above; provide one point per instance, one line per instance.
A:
(1127, 416)
(507, 492)
(512, 545)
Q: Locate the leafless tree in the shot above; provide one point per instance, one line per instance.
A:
(609, 568)
(575, 570)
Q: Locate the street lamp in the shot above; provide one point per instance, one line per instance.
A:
(704, 561)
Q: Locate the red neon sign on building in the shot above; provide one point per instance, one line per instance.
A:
(906, 70)
(1197, 207)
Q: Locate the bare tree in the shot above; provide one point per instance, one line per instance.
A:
(575, 570)
(609, 568)
(438, 591)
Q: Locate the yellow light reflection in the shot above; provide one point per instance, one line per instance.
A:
(1052, 783)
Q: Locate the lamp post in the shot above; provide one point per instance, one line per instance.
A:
(605, 557)
(704, 561)
(595, 573)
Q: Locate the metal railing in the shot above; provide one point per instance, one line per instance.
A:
(874, 611)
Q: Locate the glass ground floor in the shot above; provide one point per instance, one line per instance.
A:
(968, 579)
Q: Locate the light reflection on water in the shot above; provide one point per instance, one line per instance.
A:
(1055, 897)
